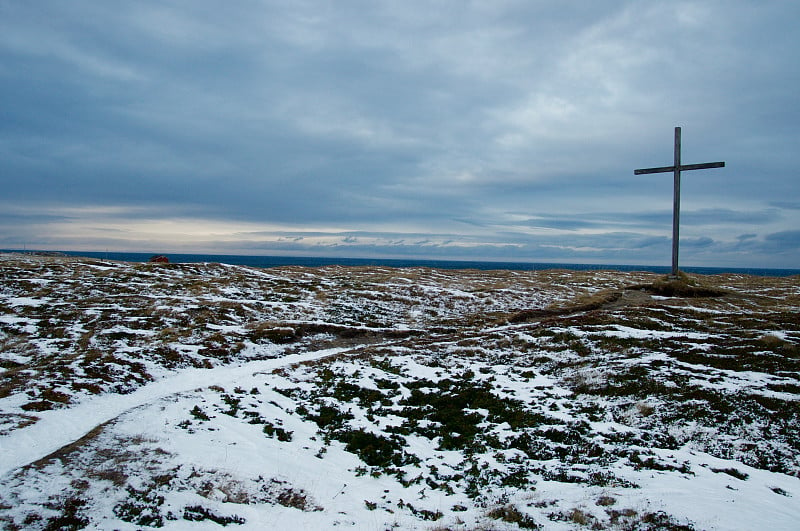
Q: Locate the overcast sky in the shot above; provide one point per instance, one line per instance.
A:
(498, 130)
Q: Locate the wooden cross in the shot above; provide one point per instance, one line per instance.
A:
(676, 169)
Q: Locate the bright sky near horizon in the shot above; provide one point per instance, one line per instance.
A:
(503, 130)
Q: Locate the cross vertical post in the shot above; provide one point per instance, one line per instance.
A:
(676, 169)
(676, 202)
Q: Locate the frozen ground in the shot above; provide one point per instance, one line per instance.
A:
(138, 396)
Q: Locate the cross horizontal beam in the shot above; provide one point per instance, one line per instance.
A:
(665, 169)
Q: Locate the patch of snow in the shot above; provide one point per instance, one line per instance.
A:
(58, 428)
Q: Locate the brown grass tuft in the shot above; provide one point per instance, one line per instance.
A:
(683, 286)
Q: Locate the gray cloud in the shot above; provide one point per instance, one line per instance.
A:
(788, 205)
(502, 130)
(788, 240)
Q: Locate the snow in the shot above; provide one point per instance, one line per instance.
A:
(135, 390)
(25, 301)
(56, 429)
(22, 324)
(741, 504)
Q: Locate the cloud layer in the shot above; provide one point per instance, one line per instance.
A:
(497, 130)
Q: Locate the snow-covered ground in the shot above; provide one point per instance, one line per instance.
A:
(204, 395)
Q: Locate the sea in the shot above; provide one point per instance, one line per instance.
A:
(316, 261)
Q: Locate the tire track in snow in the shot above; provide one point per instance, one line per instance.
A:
(59, 428)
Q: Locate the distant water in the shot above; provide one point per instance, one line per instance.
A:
(275, 261)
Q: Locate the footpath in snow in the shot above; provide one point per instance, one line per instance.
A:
(58, 428)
